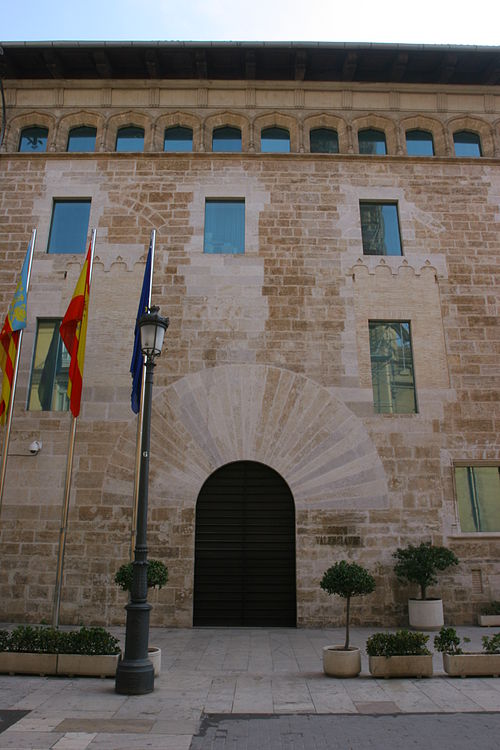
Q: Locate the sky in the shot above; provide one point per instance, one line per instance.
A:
(394, 21)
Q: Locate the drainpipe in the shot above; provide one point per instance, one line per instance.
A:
(2, 93)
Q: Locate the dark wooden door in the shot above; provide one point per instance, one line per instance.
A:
(245, 549)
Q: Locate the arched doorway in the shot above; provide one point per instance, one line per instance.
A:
(244, 571)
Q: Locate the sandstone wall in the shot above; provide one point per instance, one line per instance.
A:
(266, 359)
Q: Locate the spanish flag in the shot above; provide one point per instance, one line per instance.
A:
(15, 321)
(73, 330)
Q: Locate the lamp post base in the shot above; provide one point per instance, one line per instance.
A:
(134, 677)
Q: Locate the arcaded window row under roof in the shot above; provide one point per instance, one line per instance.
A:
(130, 138)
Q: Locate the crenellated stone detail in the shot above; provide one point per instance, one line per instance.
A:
(402, 269)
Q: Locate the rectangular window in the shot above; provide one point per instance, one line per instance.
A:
(380, 229)
(49, 370)
(224, 226)
(478, 497)
(69, 226)
(392, 368)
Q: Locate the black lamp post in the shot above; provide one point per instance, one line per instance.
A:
(135, 673)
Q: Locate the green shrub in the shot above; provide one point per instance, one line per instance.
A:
(401, 643)
(47, 640)
(4, 639)
(157, 575)
(448, 642)
(420, 564)
(493, 608)
(35, 640)
(91, 641)
(346, 580)
(491, 645)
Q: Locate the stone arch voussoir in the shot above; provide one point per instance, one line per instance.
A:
(422, 122)
(278, 120)
(474, 125)
(230, 119)
(172, 119)
(77, 119)
(132, 118)
(325, 120)
(378, 122)
(258, 413)
(29, 119)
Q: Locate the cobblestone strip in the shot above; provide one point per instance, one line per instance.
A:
(347, 732)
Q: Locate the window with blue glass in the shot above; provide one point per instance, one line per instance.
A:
(49, 369)
(467, 143)
(391, 357)
(178, 138)
(419, 143)
(226, 139)
(224, 226)
(372, 141)
(324, 141)
(33, 139)
(130, 138)
(380, 228)
(81, 139)
(69, 226)
(275, 140)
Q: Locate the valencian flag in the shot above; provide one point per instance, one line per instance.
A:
(137, 358)
(73, 330)
(9, 337)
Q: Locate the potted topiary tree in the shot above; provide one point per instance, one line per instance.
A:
(157, 575)
(345, 579)
(157, 578)
(420, 564)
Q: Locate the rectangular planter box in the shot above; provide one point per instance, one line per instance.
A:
(472, 665)
(489, 621)
(87, 666)
(21, 663)
(62, 664)
(400, 666)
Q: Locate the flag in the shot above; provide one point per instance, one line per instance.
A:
(137, 358)
(15, 321)
(73, 330)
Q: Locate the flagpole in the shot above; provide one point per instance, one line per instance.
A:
(67, 488)
(8, 424)
(138, 440)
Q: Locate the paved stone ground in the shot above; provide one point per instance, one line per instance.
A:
(238, 672)
(316, 732)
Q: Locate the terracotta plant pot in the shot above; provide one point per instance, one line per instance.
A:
(401, 666)
(425, 614)
(340, 663)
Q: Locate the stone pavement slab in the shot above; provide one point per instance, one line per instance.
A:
(235, 672)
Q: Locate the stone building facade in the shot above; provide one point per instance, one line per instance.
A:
(267, 356)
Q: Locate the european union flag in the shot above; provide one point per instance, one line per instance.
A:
(137, 358)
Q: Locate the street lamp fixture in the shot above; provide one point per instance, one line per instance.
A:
(135, 673)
